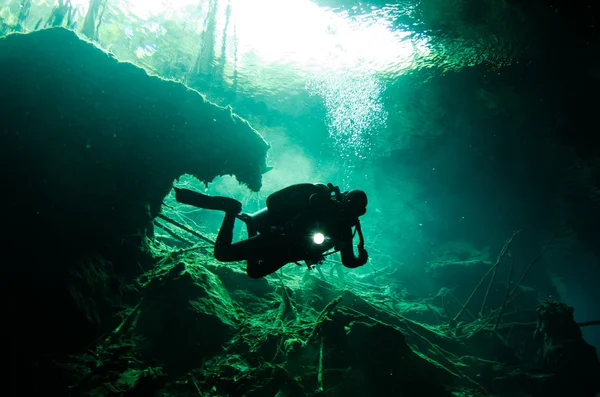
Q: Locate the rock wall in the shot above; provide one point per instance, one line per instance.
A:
(89, 148)
(90, 145)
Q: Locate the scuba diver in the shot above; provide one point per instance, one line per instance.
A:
(300, 223)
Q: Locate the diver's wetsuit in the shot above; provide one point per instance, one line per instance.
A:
(286, 228)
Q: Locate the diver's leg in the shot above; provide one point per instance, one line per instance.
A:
(276, 253)
(250, 249)
(257, 251)
(262, 268)
(223, 246)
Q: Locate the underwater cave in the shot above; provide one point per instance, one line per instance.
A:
(412, 188)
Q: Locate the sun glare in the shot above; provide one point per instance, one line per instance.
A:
(297, 33)
(339, 55)
(300, 33)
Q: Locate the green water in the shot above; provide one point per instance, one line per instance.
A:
(464, 121)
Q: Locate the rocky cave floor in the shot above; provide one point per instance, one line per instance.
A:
(195, 327)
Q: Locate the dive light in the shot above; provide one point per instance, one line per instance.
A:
(318, 238)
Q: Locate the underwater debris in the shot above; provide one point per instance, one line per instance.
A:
(252, 339)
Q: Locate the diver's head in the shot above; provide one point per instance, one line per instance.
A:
(355, 203)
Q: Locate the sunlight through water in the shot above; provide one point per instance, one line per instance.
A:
(278, 47)
(313, 38)
(298, 33)
(354, 110)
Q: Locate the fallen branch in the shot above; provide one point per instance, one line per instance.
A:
(483, 322)
(320, 373)
(446, 310)
(510, 272)
(171, 233)
(194, 248)
(529, 267)
(502, 253)
(183, 227)
(460, 304)
(125, 324)
(518, 324)
(328, 309)
(487, 291)
(389, 257)
(588, 323)
(197, 387)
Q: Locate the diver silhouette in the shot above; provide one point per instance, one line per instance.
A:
(299, 223)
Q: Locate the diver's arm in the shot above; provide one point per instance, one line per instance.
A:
(347, 250)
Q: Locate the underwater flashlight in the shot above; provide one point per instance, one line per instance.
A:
(318, 238)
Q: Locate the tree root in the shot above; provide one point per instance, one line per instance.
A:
(493, 268)
(172, 233)
(529, 267)
(510, 272)
(125, 324)
(183, 227)
(324, 313)
(320, 372)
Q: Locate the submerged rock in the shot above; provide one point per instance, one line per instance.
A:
(206, 329)
(565, 354)
(89, 148)
(93, 144)
(185, 318)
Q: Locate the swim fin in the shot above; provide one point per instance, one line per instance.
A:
(220, 203)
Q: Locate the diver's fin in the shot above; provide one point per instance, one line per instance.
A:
(220, 203)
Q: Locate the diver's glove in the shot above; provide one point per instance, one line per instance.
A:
(363, 255)
(336, 191)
